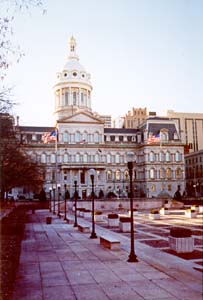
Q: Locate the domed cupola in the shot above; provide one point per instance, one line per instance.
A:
(73, 87)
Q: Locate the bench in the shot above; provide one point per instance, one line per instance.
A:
(70, 220)
(110, 242)
(84, 228)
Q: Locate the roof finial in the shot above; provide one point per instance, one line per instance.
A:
(73, 44)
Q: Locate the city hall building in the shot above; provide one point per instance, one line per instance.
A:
(86, 141)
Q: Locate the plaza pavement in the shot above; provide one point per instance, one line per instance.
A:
(60, 263)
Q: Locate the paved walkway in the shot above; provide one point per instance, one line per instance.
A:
(60, 263)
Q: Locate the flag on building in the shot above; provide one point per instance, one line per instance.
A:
(49, 137)
(83, 141)
(153, 139)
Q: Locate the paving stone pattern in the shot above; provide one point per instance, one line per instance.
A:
(59, 262)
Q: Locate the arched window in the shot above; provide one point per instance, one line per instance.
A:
(85, 157)
(82, 98)
(126, 175)
(161, 156)
(108, 158)
(43, 158)
(118, 174)
(178, 173)
(151, 156)
(66, 137)
(117, 158)
(85, 136)
(177, 156)
(53, 158)
(96, 137)
(78, 137)
(152, 173)
(65, 158)
(74, 98)
(168, 173)
(168, 156)
(161, 173)
(96, 157)
(108, 175)
(77, 157)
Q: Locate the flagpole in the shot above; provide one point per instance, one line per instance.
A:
(56, 159)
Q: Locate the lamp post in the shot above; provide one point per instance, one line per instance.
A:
(132, 256)
(65, 203)
(54, 198)
(75, 196)
(92, 175)
(59, 194)
(50, 199)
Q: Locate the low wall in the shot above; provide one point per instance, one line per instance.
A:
(114, 204)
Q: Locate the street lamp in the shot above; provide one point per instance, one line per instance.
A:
(75, 196)
(132, 256)
(65, 203)
(93, 234)
(50, 199)
(59, 194)
(54, 197)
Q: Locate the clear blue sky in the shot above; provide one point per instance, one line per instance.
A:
(140, 53)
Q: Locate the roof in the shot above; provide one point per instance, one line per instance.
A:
(155, 128)
(121, 130)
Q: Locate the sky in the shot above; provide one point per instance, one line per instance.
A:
(140, 53)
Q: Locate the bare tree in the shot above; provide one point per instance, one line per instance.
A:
(10, 52)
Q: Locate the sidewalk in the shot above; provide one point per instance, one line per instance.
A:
(60, 263)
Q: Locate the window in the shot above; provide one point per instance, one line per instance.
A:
(168, 173)
(161, 156)
(65, 158)
(168, 156)
(152, 173)
(117, 158)
(108, 158)
(43, 158)
(53, 158)
(82, 176)
(178, 173)
(66, 137)
(151, 156)
(77, 157)
(78, 137)
(96, 137)
(153, 188)
(108, 175)
(85, 157)
(96, 157)
(74, 98)
(118, 175)
(161, 173)
(126, 175)
(66, 98)
(177, 156)
(82, 98)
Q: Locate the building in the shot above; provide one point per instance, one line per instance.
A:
(194, 173)
(190, 126)
(84, 143)
(135, 117)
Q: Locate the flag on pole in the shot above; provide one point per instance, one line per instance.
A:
(49, 137)
(153, 139)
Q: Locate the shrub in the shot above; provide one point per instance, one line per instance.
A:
(112, 216)
(125, 219)
(179, 232)
(154, 211)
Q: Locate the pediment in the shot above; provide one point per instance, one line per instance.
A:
(81, 117)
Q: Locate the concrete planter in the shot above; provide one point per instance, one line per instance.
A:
(190, 214)
(181, 244)
(87, 214)
(124, 226)
(154, 216)
(98, 218)
(113, 222)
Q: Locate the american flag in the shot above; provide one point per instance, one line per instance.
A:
(153, 139)
(49, 137)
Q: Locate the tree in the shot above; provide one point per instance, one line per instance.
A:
(8, 51)
(17, 169)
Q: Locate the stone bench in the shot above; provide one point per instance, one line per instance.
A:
(84, 228)
(69, 220)
(109, 242)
